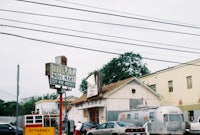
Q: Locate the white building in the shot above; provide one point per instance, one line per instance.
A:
(123, 95)
(51, 109)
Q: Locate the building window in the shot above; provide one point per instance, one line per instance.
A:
(153, 87)
(190, 115)
(151, 116)
(134, 103)
(136, 116)
(189, 82)
(170, 86)
(128, 116)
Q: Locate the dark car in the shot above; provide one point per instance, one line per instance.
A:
(8, 129)
(88, 126)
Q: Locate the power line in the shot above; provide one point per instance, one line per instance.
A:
(100, 39)
(7, 93)
(59, 44)
(100, 22)
(110, 14)
(62, 28)
(121, 12)
(83, 48)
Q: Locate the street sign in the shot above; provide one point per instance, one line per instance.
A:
(61, 75)
(39, 131)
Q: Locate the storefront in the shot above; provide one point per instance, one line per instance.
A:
(116, 97)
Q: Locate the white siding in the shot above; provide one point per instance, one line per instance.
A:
(116, 100)
(119, 100)
(47, 107)
(76, 115)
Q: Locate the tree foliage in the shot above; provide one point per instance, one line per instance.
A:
(26, 107)
(83, 86)
(125, 66)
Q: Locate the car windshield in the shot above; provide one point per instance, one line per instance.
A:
(125, 124)
(15, 127)
(92, 124)
(87, 124)
(174, 117)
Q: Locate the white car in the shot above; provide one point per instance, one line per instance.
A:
(117, 128)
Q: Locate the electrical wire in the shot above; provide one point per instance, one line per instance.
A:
(100, 22)
(7, 93)
(121, 12)
(100, 39)
(62, 28)
(110, 14)
(83, 48)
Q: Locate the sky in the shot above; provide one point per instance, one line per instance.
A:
(90, 33)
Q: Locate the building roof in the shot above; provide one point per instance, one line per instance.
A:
(65, 99)
(193, 62)
(111, 88)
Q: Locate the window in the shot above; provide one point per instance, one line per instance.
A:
(151, 116)
(128, 116)
(165, 118)
(190, 115)
(153, 87)
(175, 117)
(170, 86)
(136, 116)
(189, 82)
(110, 125)
(102, 126)
(134, 103)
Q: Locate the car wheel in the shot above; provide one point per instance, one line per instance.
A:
(90, 134)
(114, 134)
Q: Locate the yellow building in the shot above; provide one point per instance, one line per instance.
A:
(179, 86)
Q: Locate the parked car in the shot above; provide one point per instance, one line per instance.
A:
(8, 129)
(193, 128)
(88, 126)
(117, 128)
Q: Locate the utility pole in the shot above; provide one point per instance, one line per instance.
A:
(17, 105)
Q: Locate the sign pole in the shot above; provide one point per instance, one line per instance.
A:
(60, 133)
(60, 78)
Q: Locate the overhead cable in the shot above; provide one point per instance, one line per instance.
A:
(62, 28)
(100, 39)
(7, 93)
(100, 22)
(67, 45)
(110, 14)
(132, 14)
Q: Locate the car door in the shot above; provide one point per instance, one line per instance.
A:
(109, 128)
(100, 130)
(5, 129)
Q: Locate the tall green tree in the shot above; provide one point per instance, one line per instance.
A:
(83, 86)
(126, 65)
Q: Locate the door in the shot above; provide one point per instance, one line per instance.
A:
(109, 128)
(101, 130)
(94, 115)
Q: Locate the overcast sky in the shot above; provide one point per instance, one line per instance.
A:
(90, 33)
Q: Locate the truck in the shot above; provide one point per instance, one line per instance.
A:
(193, 127)
(162, 120)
